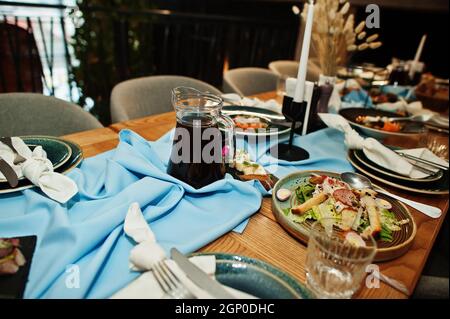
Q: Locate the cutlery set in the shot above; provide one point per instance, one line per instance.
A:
(174, 287)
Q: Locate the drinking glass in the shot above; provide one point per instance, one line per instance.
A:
(437, 142)
(335, 268)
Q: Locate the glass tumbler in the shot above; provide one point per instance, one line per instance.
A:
(436, 141)
(335, 268)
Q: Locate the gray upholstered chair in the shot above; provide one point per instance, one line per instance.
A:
(34, 114)
(284, 68)
(287, 68)
(431, 287)
(149, 95)
(249, 81)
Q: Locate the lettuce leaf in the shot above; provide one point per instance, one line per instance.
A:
(304, 192)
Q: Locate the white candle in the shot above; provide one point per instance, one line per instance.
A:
(417, 57)
(420, 48)
(303, 63)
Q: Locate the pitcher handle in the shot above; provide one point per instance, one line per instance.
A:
(228, 138)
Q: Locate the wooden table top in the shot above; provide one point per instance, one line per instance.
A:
(264, 238)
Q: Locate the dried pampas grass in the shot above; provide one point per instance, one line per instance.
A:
(335, 36)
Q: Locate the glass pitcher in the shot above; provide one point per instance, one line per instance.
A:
(203, 141)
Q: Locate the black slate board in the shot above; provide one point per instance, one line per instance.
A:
(13, 286)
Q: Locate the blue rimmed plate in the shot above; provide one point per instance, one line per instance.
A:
(75, 158)
(257, 278)
(58, 151)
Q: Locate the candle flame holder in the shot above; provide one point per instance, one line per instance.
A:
(294, 112)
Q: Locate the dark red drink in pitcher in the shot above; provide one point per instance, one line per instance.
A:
(202, 142)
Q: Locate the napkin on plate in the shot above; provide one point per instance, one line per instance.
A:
(373, 149)
(147, 252)
(39, 170)
(234, 98)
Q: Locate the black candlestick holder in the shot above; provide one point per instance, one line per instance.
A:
(293, 111)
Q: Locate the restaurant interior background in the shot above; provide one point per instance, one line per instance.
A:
(117, 40)
(78, 50)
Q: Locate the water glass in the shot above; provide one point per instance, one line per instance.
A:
(437, 142)
(335, 268)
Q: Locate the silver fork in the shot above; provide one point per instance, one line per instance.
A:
(169, 282)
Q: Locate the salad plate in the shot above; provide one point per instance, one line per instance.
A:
(321, 194)
(257, 278)
(364, 120)
(439, 187)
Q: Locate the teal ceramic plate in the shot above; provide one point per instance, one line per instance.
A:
(58, 151)
(257, 278)
(73, 161)
(402, 239)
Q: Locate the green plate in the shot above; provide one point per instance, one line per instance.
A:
(257, 278)
(73, 161)
(402, 239)
(58, 152)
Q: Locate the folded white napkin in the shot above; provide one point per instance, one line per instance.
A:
(39, 170)
(147, 252)
(373, 149)
(234, 98)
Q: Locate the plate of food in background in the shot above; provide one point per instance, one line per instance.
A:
(255, 121)
(377, 124)
(15, 261)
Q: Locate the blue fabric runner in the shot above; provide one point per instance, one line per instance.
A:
(85, 236)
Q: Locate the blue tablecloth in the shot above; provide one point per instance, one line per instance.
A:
(85, 236)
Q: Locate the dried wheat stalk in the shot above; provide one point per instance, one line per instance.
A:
(335, 37)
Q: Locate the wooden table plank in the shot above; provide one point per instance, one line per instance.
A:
(264, 238)
(95, 141)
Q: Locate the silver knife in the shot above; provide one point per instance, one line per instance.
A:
(199, 277)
